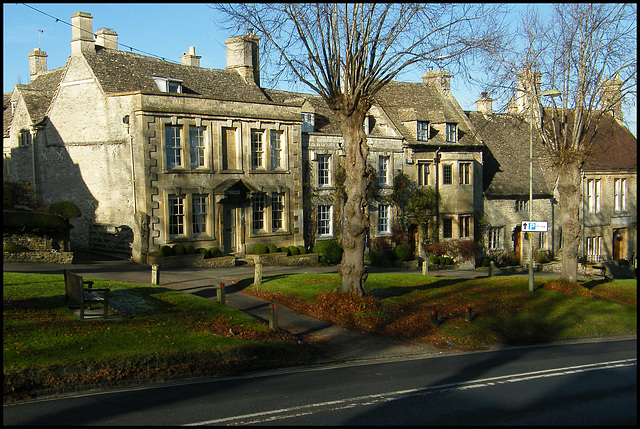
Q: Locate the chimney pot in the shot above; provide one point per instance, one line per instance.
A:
(37, 62)
(82, 33)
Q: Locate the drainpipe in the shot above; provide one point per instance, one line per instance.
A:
(133, 175)
(436, 161)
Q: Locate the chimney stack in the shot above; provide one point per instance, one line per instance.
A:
(484, 105)
(525, 89)
(242, 56)
(37, 62)
(82, 33)
(439, 78)
(612, 96)
(107, 38)
(190, 59)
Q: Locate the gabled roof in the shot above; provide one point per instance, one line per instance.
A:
(615, 148)
(506, 160)
(7, 115)
(39, 93)
(409, 101)
(326, 120)
(121, 72)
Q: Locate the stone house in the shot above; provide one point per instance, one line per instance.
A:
(155, 152)
(609, 209)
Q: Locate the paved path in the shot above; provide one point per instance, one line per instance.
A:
(334, 344)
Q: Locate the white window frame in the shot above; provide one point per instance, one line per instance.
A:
(464, 171)
(324, 170)
(452, 132)
(594, 248)
(325, 221)
(464, 226)
(423, 173)
(199, 214)
(174, 154)
(593, 195)
(495, 238)
(384, 219)
(258, 212)
(422, 131)
(165, 84)
(25, 138)
(257, 149)
(384, 170)
(177, 215)
(522, 206)
(198, 146)
(276, 143)
(308, 122)
(277, 211)
(620, 194)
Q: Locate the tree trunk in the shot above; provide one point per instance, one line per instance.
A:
(570, 194)
(356, 211)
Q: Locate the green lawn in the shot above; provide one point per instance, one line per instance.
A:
(505, 311)
(158, 330)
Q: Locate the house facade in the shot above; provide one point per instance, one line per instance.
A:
(155, 153)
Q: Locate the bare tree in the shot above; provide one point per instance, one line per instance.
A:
(346, 53)
(588, 52)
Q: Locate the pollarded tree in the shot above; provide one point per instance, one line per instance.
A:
(347, 52)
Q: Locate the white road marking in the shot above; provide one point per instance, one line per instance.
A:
(301, 410)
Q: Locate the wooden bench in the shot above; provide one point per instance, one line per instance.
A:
(79, 296)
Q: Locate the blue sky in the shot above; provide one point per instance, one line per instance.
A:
(161, 29)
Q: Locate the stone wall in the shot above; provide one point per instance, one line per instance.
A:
(188, 261)
(284, 260)
(39, 257)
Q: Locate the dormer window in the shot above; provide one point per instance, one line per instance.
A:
(308, 122)
(423, 131)
(452, 132)
(168, 85)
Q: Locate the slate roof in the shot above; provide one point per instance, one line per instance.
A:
(409, 101)
(506, 158)
(326, 120)
(615, 148)
(39, 93)
(120, 71)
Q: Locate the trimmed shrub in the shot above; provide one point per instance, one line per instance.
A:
(330, 251)
(486, 262)
(166, 251)
(189, 249)
(285, 250)
(448, 260)
(204, 251)
(294, 250)
(403, 253)
(260, 249)
(13, 248)
(301, 249)
(378, 259)
(215, 252)
(65, 209)
(433, 260)
(272, 248)
(33, 222)
(441, 260)
(178, 249)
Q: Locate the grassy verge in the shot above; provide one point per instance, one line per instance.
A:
(504, 311)
(159, 334)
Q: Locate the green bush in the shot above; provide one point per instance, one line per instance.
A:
(204, 251)
(189, 249)
(301, 249)
(403, 253)
(378, 259)
(166, 251)
(486, 262)
(294, 250)
(285, 249)
(34, 222)
(441, 260)
(272, 248)
(433, 260)
(65, 209)
(448, 260)
(260, 249)
(178, 249)
(329, 251)
(215, 252)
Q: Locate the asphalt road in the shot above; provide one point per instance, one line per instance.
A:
(572, 383)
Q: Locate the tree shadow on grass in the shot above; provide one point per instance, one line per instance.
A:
(395, 291)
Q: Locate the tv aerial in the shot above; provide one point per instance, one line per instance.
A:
(40, 34)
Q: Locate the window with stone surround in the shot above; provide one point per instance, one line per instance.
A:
(620, 194)
(383, 171)
(384, 219)
(197, 145)
(257, 209)
(199, 214)
(257, 149)
(325, 221)
(176, 215)
(174, 147)
(324, 170)
(277, 211)
(447, 177)
(276, 150)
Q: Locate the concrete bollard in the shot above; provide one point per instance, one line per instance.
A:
(468, 314)
(491, 269)
(425, 268)
(155, 274)
(220, 293)
(273, 316)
